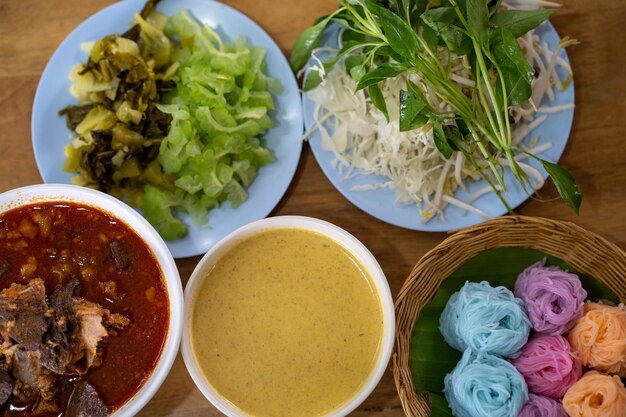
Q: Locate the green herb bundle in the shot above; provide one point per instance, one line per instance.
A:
(383, 39)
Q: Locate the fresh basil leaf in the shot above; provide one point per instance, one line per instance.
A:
(416, 8)
(415, 90)
(454, 137)
(348, 48)
(419, 94)
(379, 74)
(419, 121)
(518, 22)
(456, 41)
(478, 21)
(400, 36)
(439, 18)
(564, 182)
(352, 61)
(411, 111)
(320, 19)
(305, 44)
(463, 127)
(378, 99)
(516, 71)
(440, 139)
(407, 7)
(444, 21)
(395, 6)
(350, 35)
(429, 35)
(313, 79)
(386, 51)
(357, 72)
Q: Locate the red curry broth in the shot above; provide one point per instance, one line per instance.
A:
(59, 241)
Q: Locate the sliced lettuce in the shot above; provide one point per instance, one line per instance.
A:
(219, 113)
(157, 208)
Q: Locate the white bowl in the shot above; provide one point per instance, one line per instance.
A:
(345, 239)
(117, 209)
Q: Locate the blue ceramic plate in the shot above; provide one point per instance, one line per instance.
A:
(381, 204)
(50, 135)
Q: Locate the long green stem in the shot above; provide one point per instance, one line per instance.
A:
(367, 24)
(488, 157)
(483, 69)
(450, 94)
(498, 191)
(478, 50)
(477, 111)
(483, 99)
(505, 104)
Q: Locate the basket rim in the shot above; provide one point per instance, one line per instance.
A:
(599, 258)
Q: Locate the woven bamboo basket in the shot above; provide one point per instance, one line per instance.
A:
(586, 252)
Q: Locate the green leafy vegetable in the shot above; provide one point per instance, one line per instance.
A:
(170, 118)
(439, 18)
(119, 128)
(516, 72)
(306, 42)
(377, 99)
(414, 38)
(312, 80)
(454, 137)
(443, 21)
(413, 110)
(379, 74)
(441, 141)
(477, 21)
(564, 182)
(399, 35)
(518, 22)
(219, 110)
(157, 204)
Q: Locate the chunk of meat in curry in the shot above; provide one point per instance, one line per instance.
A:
(42, 341)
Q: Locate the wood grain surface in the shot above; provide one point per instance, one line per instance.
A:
(30, 31)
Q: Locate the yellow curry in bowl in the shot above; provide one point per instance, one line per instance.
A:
(286, 323)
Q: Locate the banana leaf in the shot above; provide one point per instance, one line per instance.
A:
(430, 356)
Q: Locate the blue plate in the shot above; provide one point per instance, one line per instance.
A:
(381, 204)
(50, 134)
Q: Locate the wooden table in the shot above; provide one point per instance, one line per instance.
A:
(30, 30)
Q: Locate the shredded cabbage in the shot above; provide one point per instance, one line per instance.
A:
(219, 111)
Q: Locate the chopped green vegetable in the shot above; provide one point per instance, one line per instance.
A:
(219, 110)
(118, 125)
(170, 118)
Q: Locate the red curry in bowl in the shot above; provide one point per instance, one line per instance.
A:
(84, 311)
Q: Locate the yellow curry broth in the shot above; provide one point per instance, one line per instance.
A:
(287, 324)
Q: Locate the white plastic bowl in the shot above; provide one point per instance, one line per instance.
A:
(350, 243)
(81, 195)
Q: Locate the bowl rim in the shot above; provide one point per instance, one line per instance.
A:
(39, 193)
(344, 239)
(587, 252)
